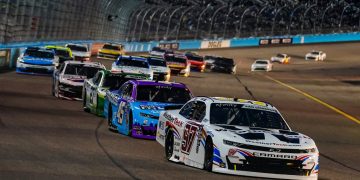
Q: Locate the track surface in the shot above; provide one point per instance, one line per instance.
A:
(46, 138)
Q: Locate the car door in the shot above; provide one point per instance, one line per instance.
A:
(125, 97)
(94, 84)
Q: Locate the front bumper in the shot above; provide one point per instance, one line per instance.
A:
(34, 69)
(81, 58)
(216, 68)
(70, 92)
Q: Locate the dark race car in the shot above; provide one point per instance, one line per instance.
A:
(220, 64)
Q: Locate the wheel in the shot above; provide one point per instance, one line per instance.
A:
(209, 153)
(129, 118)
(109, 119)
(86, 109)
(169, 145)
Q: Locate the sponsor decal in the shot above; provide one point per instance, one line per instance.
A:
(257, 107)
(215, 44)
(278, 156)
(175, 121)
(190, 132)
(273, 144)
(174, 46)
(161, 125)
(275, 41)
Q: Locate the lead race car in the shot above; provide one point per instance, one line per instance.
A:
(94, 90)
(239, 137)
(134, 109)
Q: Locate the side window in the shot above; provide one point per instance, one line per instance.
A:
(97, 78)
(62, 67)
(199, 111)
(187, 110)
(127, 91)
(122, 89)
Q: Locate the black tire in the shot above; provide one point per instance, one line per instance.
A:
(209, 153)
(169, 145)
(130, 121)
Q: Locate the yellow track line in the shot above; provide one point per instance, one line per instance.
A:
(352, 118)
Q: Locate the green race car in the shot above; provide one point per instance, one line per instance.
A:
(94, 90)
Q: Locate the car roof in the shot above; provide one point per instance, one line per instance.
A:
(158, 83)
(40, 49)
(84, 62)
(72, 44)
(235, 101)
(262, 60)
(58, 48)
(113, 44)
(136, 58)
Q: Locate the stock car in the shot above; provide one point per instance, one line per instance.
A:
(111, 51)
(132, 65)
(94, 90)
(69, 79)
(196, 61)
(157, 51)
(80, 52)
(262, 65)
(178, 64)
(220, 64)
(63, 54)
(159, 67)
(316, 55)
(236, 136)
(134, 109)
(36, 60)
(281, 58)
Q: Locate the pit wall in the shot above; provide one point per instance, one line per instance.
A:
(244, 42)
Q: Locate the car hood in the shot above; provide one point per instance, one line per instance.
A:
(263, 137)
(110, 51)
(130, 69)
(160, 69)
(38, 61)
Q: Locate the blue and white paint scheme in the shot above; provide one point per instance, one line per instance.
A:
(36, 60)
(132, 65)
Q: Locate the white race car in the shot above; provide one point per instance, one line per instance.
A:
(281, 58)
(132, 65)
(158, 65)
(316, 55)
(262, 65)
(157, 51)
(68, 80)
(80, 52)
(236, 136)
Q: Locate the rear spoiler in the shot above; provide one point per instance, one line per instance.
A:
(173, 107)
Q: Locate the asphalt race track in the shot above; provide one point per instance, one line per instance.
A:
(42, 137)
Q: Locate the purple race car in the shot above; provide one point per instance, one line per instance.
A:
(134, 109)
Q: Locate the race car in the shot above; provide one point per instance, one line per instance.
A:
(36, 60)
(80, 52)
(262, 65)
(132, 65)
(134, 109)
(94, 90)
(316, 55)
(196, 61)
(220, 64)
(157, 51)
(63, 53)
(178, 64)
(69, 79)
(158, 65)
(281, 58)
(111, 51)
(236, 136)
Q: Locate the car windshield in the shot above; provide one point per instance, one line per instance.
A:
(157, 62)
(77, 48)
(62, 53)
(114, 81)
(261, 62)
(315, 53)
(111, 47)
(280, 55)
(158, 49)
(195, 58)
(39, 54)
(240, 115)
(175, 59)
(133, 63)
(224, 61)
(81, 70)
(163, 94)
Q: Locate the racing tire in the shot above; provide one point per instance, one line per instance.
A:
(169, 145)
(209, 153)
(130, 121)
(109, 119)
(85, 108)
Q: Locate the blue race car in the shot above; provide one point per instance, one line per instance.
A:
(134, 109)
(36, 60)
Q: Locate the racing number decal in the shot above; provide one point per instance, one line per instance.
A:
(188, 137)
(121, 111)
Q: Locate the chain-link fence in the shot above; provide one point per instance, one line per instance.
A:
(52, 20)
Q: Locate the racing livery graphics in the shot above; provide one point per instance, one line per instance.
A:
(69, 79)
(132, 65)
(80, 52)
(111, 51)
(197, 62)
(178, 64)
(36, 60)
(95, 89)
(161, 71)
(134, 109)
(236, 136)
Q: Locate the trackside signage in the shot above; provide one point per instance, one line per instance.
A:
(215, 44)
(275, 41)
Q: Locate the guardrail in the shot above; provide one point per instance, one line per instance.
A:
(243, 42)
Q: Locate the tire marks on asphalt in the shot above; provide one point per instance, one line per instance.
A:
(120, 166)
(246, 88)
